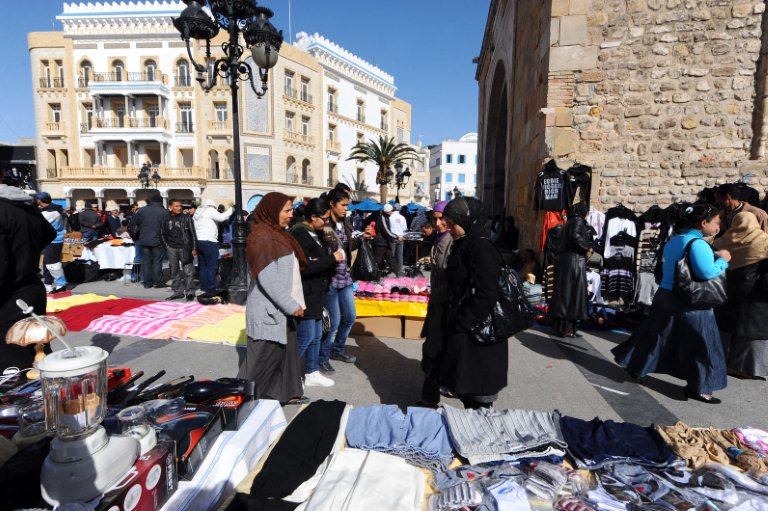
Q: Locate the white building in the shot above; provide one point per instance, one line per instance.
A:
(453, 166)
(359, 104)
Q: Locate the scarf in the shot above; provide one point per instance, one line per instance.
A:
(267, 241)
(745, 240)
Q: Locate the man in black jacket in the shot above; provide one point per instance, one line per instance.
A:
(90, 222)
(24, 233)
(180, 241)
(145, 228)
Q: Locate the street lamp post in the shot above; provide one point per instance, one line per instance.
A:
(456, 192)
(401, 178)
(264, 41)
(145, 178)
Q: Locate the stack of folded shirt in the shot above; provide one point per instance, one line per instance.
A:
(401, 289)
(547, 480)
(419, 436)
(487, 435)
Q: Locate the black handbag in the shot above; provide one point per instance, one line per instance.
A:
(512, 313)
(365, 267)
(693, 291)
(326, 321)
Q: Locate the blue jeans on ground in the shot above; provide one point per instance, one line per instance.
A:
(309, 333)
(208, 259)
(89, 235)
(341, 307)
(152, 265)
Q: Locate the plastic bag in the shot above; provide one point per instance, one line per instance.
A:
(365, 267)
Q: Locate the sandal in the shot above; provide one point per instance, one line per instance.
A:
(301, 400)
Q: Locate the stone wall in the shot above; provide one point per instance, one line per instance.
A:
(668, 108)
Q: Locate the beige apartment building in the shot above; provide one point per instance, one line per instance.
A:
(116, 89)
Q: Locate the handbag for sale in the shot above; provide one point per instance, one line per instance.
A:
(695, 292)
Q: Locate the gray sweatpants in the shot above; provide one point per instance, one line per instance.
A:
(182, 275)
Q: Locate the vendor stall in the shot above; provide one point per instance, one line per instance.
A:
(110, 257)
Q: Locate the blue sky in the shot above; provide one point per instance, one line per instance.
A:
(427, 45)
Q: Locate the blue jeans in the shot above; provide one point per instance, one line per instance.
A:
(341, 307)
(208, 258)
(309, 333)
(89, 235)
(152, 265)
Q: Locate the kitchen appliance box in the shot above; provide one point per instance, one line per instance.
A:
(148, 485)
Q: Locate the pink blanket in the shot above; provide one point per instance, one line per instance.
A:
(144, 321)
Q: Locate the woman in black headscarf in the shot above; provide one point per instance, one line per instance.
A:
(569, 301)
(475, 372)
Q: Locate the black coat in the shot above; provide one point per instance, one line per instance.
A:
(146, 224)
(472, 272)
(746, 312)
(24, 233)
(570, 297)
(316, 277)
(178, 231)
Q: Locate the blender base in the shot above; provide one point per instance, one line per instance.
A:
(90, 477)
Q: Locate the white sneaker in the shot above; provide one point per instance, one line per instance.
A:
(316, 379)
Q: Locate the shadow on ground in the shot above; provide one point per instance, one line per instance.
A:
(395, 378)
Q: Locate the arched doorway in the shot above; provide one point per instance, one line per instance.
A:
(230, 155)
(253, 202)
(213, 163)
(495, 148)
(290, 170)
(305, 170)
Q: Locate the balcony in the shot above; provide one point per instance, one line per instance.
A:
(54, 128)
(184, 127)
(219, 128)
(126, 83)
(129, 77)
(300, 96)
(333, 146)
(292, 136)
(51, 83)
(129, 173)
(183, 81)
(296, 178)
(125, 123)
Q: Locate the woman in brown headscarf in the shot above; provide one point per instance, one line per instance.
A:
(275, 297)
(746, 313)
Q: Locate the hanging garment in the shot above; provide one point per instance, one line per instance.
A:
(551, 192)
(579, 183)
(594, 287)
(597, 220)
(551, 219)
(618, 218)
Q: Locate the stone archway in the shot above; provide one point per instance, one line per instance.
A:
(495, 148)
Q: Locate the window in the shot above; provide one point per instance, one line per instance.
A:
(60, 81)
(462, 159)
(448, 158)
(332, 106)
(400, 135)
(448, 195)
(305, 91)
(437, 161)
(360, 138)
(437, 180)
(186, 117)
(289, 121)
(384, 124)
(361, 110)
(88, 114)
(448, 178)
(221, 113)
(85, 73)
(55, 112)
(289, 85)
(45, 81)
(305, 126)
(150, 67)
(117, 70)
(462, 178)
(120, 116)
(153, 111)
(182, 78)
(331, 132)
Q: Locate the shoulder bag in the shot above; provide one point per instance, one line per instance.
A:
(695, 292)
(512, 313)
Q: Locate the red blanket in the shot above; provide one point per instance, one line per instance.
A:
(80, 316)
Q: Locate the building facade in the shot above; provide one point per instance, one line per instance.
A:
(661, 98)
(453, 168)
(116, 89)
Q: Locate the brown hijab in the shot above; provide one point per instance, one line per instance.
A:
(268, 241)
(745, 240)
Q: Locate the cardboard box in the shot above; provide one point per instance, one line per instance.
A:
(73, 235)
(413, 328)
(385, 326)
(148, 485)
(235, 416)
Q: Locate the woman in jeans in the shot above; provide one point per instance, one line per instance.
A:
(475, 372)
(676, 339)
(340, 298)
(315, 279)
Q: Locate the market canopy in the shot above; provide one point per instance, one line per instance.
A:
(366, 205)
(412, 206)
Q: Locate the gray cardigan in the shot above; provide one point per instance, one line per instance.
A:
(270, 302)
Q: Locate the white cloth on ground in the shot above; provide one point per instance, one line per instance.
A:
(510, 496)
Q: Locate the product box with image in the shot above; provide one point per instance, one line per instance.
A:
(148, 484)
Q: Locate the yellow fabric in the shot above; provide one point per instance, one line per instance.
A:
(376, 308)
(70, 301)
(229, 331)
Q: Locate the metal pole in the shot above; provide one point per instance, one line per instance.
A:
(238, 280)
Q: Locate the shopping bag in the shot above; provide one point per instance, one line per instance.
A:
(365, 267)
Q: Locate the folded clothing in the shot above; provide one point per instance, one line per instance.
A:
(755, 439)
(487, 431)
(595, 443)
(547, 480)
(419, 435)
(461, 496)
(473, 473)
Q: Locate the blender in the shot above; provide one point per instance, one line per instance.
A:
(83, 462)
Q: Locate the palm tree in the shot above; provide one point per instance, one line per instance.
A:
(384, 153)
